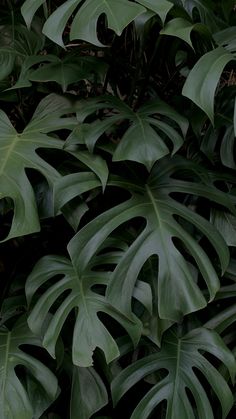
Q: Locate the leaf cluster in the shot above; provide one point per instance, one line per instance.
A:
(117, 209)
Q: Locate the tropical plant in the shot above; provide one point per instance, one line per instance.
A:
(117, 209)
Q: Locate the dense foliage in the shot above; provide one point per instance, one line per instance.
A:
(117, 209)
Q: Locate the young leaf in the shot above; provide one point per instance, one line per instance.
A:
(202, 81)
(180, 358)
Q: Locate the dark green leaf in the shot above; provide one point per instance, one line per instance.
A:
(202, 81)
(15, 403)
(181, 357)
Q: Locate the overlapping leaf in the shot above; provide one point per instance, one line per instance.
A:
(182, 28)
(17, 49)
(144, 140)
(203, 79)
(18, 151)
(88, 393)
(181, 358)
(89, 331)
(178, 292)
(15, 401)
(84, 25)
(67, 71)
(205, 9)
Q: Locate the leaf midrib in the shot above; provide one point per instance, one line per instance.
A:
(176, 379)
(8, 153)
(6, 365)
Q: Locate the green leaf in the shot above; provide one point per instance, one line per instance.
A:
(63, 73)
(226, 225)
(144, 140)
(206, 9)
(202, 81)
(226, 38)
(88, 393)
(55, 24)
(161, 8)
(235, 118)
(66, 71)
(95, 162)
(180, 358)
(7, 60)
(224, 318)
(72, 185)
(89, 331)
(26, 69)
(29, 9)
(18, 151)
(84, 25)
(182, 28)
(15, 403)
(227, 148)
(178, 293)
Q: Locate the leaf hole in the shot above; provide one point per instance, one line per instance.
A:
(213, 399)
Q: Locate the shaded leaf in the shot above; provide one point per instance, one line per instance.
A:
(72, 185)
(180, 358)
(15, 403)
(67, 71)
(202, 81)
(89, 331)
(84, 25)
(161, 8)
(144, 140)
(18, 152)
(182, 28)
(88, 393)
(226, 225)
(178, 293)
(29, 8)
(226, 39)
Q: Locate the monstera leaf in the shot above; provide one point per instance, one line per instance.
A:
(18, 152)
(89, 330)
(181, 359)
(84, 25)
(178, 291)
(84, 402)
(182, 29)
(152, 125)
(67, 71)
(204, 77)
(205, 10)
(15, 401)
